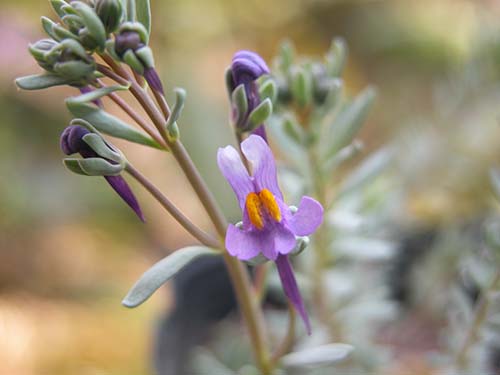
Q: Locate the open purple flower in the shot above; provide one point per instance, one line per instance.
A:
(269, 226)
(246, 68)
(73, 142)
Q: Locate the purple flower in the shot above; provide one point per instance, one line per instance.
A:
(269, 226)
(246, 68)
(72, 142)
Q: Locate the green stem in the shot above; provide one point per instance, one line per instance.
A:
(196, 232)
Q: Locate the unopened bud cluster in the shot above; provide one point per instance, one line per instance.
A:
(309, 82)
(88, 27)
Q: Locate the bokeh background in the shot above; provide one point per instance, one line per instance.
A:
(70, 249)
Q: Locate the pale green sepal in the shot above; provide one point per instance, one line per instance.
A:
(137, 27)
(143, 11)
(239, 99)
(58, 5)
(74, 70)
(145, 55)
(40, 81)
(302, 86)
(286, 56)
(48, 25)
(62, 33)
(336, 57)
(97, 143)
(92, 22)
(268, 90)
(260, 114)
(163, 271)
(74, 166)
(100, 167)
(131, 60)
(74, 46)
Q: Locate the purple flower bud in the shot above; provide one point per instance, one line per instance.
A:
(153, 80)
(127, 40)
(72, 142)
(246, 68)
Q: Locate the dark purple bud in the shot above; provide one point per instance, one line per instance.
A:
(127, 40)
(87, 89)
(72, 141)
(121, 187)
(153, 80)
(291, 288)
(247, 66)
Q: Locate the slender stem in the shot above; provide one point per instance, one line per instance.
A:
(160, 99)
(135, 116)
(480, 315)
(111, 74)
(288, 341)
(196, 232)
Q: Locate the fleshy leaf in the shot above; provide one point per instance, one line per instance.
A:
(260, 114)
(143, 10)
(320, 356)
(349, 121)
(40, 81)
(109, 124)
(163, 271)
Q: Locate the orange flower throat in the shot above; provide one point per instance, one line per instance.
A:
(258, 204)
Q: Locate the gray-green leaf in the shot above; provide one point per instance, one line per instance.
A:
(40, 81)
(109, 124)
(163, 271)
(320, 356)
(143, 9)
(348, 122)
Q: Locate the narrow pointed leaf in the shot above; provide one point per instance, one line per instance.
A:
(109, 124)
(143, 10)
(163, 271)
(40, 81)
(320, 356)
(349, 121)
(368, 170)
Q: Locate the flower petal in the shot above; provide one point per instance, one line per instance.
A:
(234, 171)
(242, 244)
(119, 185)
(308, 217)
(259, 154)
(291, 288)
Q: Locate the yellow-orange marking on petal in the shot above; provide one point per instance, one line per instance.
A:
(269, 202)
(253, 205)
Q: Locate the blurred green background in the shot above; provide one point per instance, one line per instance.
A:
(70, 249)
